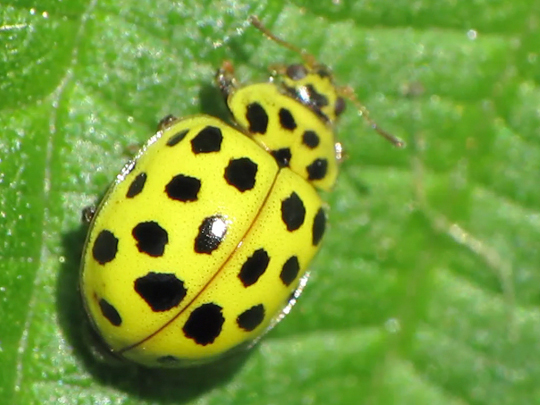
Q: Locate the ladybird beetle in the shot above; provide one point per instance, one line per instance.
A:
(203, 241)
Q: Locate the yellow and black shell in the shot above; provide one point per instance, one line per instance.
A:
(206, 235)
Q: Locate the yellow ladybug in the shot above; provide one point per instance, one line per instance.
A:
(203, 241)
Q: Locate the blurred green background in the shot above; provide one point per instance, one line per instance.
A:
(427, 289)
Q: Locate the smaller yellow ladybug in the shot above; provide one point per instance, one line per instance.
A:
(202, 243)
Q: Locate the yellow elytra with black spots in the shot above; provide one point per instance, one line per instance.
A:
(203, 241)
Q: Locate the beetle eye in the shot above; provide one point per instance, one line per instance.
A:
(296, 72)
(323, 72)
(340, 106)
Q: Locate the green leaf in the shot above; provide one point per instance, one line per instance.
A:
(427, 289)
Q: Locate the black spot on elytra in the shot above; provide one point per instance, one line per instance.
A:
(251, 318)
(211, 232)
(319, 225)
(317, 169)
(282, 156)
(293, 212)
(208, 140)
(110, 313)
(241, 173)
(173, 140)
(136, 185)
(183, 188)
(204, 324)
(105, 247)
(151, 238)
(257, 118)
(254, 267)
(286, 119)
(161, 291)
(290, 270)
(310, 139)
